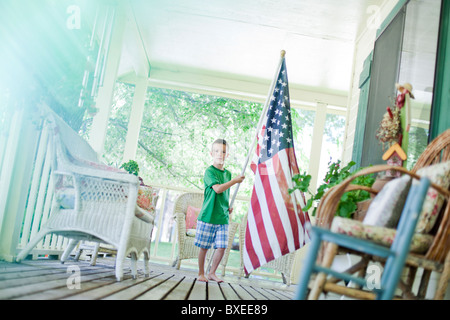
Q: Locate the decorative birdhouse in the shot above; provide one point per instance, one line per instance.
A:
(394, 157)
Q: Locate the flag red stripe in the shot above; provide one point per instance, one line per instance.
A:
(251, 251)
(303, 216)
(292, 161)
(257, 214)
(273, 210)
(284, 188)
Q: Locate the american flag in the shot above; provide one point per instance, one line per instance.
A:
(275, 223)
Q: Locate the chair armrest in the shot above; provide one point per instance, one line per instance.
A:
(70, 164)
(145, 215)
(232, 228)
(85, 170)
(181, 222)
(330, 201)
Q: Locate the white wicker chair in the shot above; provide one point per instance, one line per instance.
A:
(186, 247)
(96, 248)
(103, 200)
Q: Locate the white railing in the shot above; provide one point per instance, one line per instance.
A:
(39, 200)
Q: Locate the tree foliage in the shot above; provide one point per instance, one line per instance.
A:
(178, 128)
(176, 133)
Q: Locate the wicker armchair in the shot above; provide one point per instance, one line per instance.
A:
(147, 199)
(92, 201)
(186, 247)
(436, 256)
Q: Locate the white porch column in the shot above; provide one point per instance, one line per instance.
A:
(316, 145)
(105, 93)
(134, 124)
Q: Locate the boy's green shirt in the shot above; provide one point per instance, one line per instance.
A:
(215, 206)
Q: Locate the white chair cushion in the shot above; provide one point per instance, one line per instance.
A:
(387, 206)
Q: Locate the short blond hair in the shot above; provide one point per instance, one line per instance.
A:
(220, 141)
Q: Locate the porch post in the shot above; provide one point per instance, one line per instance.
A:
(15, 176)
(316, 145)
(105, 92)
(134, 124)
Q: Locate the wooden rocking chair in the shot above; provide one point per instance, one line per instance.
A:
(436, 257)
(395, 255)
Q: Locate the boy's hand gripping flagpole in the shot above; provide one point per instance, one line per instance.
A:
(260, 124)
(252, 146)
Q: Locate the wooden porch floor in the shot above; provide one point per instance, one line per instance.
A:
(48, 280)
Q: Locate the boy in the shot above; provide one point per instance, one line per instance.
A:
(212, 224)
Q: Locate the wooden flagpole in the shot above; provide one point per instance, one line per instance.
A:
(252, 146)
(258, 129)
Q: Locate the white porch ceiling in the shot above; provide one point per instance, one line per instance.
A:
(235, 45)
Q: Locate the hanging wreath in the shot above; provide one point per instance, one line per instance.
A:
(390, 130)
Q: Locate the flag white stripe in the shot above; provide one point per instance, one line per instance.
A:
(279, 200)
(255, 241)
(270, 231)
(287, 171)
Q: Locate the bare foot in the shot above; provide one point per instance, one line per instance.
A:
(202, 278)
(213, 277)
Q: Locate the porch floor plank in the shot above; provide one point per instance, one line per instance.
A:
(276, 294)
(228, 292)
(45, 279)
(14, 275)
(256, 293)
(103, 291)
(214, 291)
(87, 283)
(243, 294)
(269, 294)
(162, 289)
(20, 287)
(287, 295)
(134, 291)
(198, 292)
(181, 291)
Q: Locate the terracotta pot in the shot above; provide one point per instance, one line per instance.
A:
(361, 210)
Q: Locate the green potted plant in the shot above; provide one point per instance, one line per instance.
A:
(131, 167)
(335, 175)
(147, 196)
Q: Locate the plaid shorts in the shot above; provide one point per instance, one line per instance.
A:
(207, 234)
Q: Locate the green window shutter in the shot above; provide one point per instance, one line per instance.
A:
(440, 118)
(364, 84)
